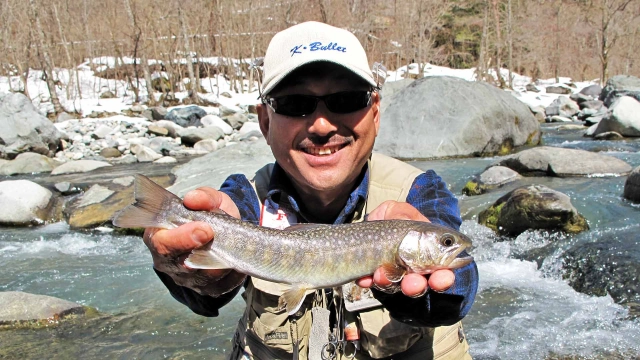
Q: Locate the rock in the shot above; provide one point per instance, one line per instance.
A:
(579, 98)
(64, 116)
(554, 161)
(212, 169)
(90, 216)
(161, 144)
(562, 106)
(391, 88)
(24, 129)
(249, 127)
(592, 104)
(157, 130)
(609, 135)
(539, 113)
(533, 207)
(252, 109)
(208, 145)
(137, 108)
(228, 110)
(571, 127)
(186, 116)
(593, 120)
(623, 117)
(213, 120)
(147, 114)
(559, 89)
(474, 119)
(592, 90)
(23, 203)
(123, 181)
(28, 163)
(79, 166)
(608, 266)
(491, 178)
(532, 87)
(166, 160)
(172, 127)
(144, 153)
(620, 85)
(125, 159)
(65, 188)
(19, 308)
(558, 118)
(632, 185)
(95, 195)
(236, 120)
(158, 112)
(225, 94)
(110, 152)
(101, 132)
(108, 95)
(190, 136)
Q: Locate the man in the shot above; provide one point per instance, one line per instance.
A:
(320, 116)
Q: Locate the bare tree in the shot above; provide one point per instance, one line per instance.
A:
(45, 57)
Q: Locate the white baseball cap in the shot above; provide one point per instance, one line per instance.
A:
(313, 42)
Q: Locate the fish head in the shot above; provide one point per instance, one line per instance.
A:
(423, 252)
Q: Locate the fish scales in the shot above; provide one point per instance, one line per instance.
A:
(307, 256)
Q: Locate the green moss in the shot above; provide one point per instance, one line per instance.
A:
(472, 187)
(576, 225)
(490, 217)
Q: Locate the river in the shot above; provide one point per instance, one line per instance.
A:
(521, 312)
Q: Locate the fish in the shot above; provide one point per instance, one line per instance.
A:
(305, 256)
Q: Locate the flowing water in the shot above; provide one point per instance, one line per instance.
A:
(522, 311)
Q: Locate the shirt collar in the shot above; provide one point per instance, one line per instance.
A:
(282, 193)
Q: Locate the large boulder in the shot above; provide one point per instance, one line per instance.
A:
(533, 207)
(562, 106)
(561, 162)
(441, 116)
(190, 136)
(212, 169)
(186, 116)
(20, 308)
(28, 163)
(24, 203)
(623, 117)
(100, 203)
(609, 266)
(24, 129)
(632, 185)
(620, 85)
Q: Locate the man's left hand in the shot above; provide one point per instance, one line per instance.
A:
(412, 284)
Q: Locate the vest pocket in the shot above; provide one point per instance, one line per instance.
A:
(383, 336)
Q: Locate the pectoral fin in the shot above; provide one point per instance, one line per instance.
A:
(292, 299)
(393, 272)
(205, 259)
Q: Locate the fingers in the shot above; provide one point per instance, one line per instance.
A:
(175, 242)
(441, 280)
(207, 199)
(412, 285)
(389, 210)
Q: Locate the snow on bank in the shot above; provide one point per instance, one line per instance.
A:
(87, 99)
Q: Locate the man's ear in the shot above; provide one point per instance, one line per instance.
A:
(263, 120)
(375, 108)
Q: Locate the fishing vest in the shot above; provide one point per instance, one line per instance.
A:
(264, 332)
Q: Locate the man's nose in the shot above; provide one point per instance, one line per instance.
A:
(320, 121)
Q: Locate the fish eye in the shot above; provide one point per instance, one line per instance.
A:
(447, 240)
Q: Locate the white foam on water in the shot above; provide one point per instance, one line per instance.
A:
(522, 312)
(77, 244)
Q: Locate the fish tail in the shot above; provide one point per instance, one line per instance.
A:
(150, 199)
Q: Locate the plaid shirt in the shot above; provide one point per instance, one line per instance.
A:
(428, 194)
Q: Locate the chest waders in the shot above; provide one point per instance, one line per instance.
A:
(264, 332)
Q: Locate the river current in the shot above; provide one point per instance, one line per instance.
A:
(522, 311)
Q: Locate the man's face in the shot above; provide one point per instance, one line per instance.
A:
(322, 151)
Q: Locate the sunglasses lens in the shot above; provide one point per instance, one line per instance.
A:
(295, 105)
(347, 102)
(339, 103)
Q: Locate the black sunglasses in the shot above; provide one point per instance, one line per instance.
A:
(301, 105)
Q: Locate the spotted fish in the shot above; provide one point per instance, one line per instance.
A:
(306, 256)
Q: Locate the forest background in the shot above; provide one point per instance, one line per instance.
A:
(581, 39)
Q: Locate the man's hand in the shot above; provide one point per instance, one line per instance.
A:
(413, 285)
(169, 248)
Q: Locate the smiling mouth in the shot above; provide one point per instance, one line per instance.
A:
(323, 150)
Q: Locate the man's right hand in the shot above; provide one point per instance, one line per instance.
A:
(169, 248)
